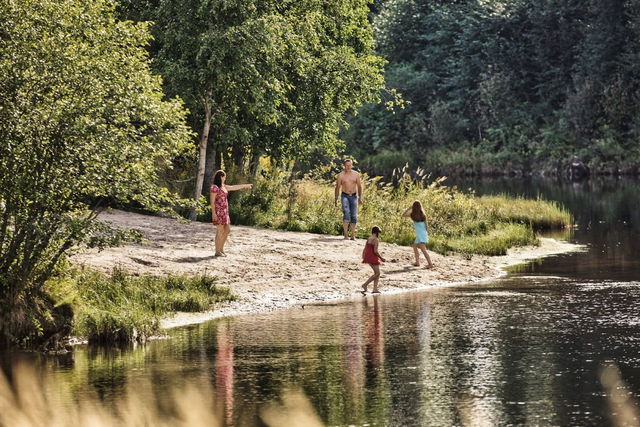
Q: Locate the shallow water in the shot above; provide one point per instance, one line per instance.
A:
(527, 349)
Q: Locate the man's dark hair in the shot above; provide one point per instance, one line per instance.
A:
(347, 160)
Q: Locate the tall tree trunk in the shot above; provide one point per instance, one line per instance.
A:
(255, 162)
(227, 159)
(237, 153)
(202, 158)
(210, 166)
(218, 159)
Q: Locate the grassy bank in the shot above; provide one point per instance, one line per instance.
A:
(120, 308)
(457, 221)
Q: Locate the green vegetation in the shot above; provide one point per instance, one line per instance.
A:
(120, 308)
(457, 221)
(513, 86)
(262, 77)
(83, 123)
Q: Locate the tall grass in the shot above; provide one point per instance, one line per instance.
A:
(31, 400)
(456, 221)
(122, 308)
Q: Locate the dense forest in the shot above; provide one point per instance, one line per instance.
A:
(495, 86)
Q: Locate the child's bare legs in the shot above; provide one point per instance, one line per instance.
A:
(416, 253)
(374, 278)
(423, 248)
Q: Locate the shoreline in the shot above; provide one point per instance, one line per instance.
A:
(270, 270)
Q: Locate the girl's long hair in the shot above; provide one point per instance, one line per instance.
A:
(217, 178)
(417, 213)
(376, 230)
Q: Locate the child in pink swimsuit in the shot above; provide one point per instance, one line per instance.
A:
(371, 256)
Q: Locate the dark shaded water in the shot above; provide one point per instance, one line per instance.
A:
(526, 349)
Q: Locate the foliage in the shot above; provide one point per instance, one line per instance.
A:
(278, 76)
(457, 221)
(527, 85)
(83, 122)
(121, 308)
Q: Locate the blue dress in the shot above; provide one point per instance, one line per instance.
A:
(421, 232)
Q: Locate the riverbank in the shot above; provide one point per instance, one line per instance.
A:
(268, 269)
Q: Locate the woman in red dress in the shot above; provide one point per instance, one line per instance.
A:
(220, 208)
(371, 256)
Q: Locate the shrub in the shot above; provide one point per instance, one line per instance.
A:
(457, 221)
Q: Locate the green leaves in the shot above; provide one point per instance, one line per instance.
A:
(82, 121)
(279, 76)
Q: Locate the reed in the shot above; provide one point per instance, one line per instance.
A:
(31, 399)
(457, 221)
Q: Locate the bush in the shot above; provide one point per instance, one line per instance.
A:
(457, 221)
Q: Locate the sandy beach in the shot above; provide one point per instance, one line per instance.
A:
(270, 269)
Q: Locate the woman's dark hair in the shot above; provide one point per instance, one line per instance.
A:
(417, 213)
(376, 230)
(217, 178)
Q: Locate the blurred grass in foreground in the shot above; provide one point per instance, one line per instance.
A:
(30, 400)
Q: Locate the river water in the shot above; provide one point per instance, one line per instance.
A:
(526, 349)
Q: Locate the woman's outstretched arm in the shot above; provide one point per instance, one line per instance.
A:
(238, 187)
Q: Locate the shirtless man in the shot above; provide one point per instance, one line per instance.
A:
(347, 182)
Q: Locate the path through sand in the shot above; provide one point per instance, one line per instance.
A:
(269, 269)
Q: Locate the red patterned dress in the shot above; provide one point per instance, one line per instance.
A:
(221, 207)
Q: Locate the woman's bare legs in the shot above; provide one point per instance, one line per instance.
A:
(219, 242)
(226, 231)
(423, 248)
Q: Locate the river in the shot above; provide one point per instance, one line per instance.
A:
(531, 348)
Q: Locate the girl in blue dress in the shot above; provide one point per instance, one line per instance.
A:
(419, 218)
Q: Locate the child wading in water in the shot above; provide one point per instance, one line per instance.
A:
(419, 218)
(371, 256)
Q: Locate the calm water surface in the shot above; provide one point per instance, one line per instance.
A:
(524, 350)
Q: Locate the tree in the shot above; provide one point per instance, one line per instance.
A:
(264, 77)
(82, 122)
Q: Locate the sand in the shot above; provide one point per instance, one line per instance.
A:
(269, 269)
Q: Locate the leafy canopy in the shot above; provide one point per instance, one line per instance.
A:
(82, 120)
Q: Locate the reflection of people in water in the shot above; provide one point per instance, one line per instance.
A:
(375, 334)
(354, 365)
(224, 374)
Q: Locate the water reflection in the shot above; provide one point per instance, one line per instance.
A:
(224, 373)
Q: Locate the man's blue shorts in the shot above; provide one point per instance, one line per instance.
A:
(349, 207)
